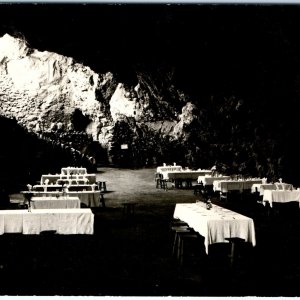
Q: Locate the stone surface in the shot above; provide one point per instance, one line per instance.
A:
(42, 91)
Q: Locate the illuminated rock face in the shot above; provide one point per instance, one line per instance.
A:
(42, 91)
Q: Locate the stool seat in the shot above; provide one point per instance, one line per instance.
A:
(178, 222)
(178, 230)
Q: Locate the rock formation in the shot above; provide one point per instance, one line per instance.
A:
(49, 92)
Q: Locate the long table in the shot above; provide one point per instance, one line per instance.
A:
(209, 180)
(163, 169)
(57, 188)
(53, 178)
(234, 185)
(193, 175)
(64, 221)
(280, 196)
(54, 202)
(217, 224)
(261, 188)
(89, 198)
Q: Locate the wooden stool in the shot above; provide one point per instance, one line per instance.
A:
(103, 186)
(233, 243)
(102, 201)
(177, 230)
(183, 238)
(164, 184)
(157, 179)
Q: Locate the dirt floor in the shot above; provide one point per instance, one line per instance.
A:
(132, 255)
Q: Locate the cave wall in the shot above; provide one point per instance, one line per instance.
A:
(59, 99)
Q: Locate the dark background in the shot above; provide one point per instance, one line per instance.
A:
(251, 50)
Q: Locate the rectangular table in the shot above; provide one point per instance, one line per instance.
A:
(58, 188)
(234, 185)
(280, 196)
(168, 168)
(193, 175)
(261, 187)
(52, 178)
(209, 180)
(217, 224)
(64, 221)
(270, 186)
(54, 202)
(89, 198)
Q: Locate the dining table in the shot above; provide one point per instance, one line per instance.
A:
(88, 198)
(62, 221)
(281, 196)
(54, 178)
(260, 188)
(217, 224)
(59, 202)
(209, 180)
(185, 174)
(225, 186)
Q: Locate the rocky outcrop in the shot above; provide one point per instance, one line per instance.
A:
(47, 92)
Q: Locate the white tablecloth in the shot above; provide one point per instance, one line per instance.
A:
(52, 178)
(261, 187)
(209, 180)
(89, 198)
(216, 224)
(54, 202)
(64, 221)
(168, 168)
(270, 186)
(280, 196)
(234, 185)
(185, 174)
(58, 188)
